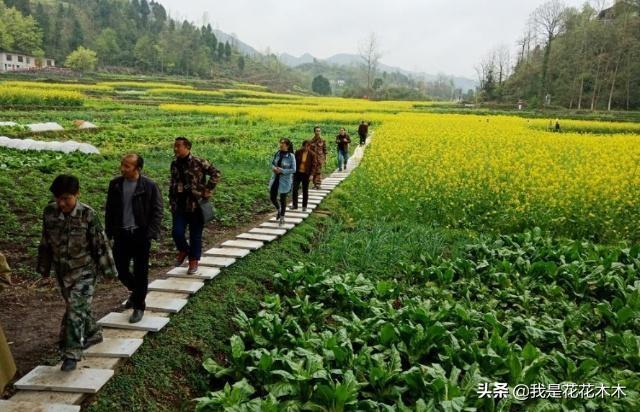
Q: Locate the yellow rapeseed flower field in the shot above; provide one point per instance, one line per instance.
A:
(23, 96)
(498, 173)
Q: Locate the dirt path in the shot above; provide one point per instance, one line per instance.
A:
(31, 310)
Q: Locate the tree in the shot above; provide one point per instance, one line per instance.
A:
(22, 6)
(106, 46)
(21, 33)
(377, 83)
(77, 34)
(82, 59)
(145, 52)
(39, 58)
(241, 63)
(370, 54)
(548, 19)
(227, 50)
(321, 85)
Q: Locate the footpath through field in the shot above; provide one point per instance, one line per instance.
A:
(48, 389)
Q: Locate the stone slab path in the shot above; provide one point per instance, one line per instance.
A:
(48, 389)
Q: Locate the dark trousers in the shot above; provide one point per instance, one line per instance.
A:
(297, 179)
(363, 138)
(128, 246)
(282, 207)
(196, 225)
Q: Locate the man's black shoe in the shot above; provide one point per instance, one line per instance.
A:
(94, 340)
(68, 365)
(136, 316)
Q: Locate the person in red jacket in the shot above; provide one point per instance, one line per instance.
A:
(305, 164)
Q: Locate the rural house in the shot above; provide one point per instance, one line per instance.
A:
(10, 61)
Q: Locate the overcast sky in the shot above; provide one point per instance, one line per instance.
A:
(433, 36)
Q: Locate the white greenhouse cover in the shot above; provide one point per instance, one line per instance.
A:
(30, 144)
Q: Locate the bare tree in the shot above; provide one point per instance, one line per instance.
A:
(370, 54)
(548, 20)
(503, 62)
(525, 42)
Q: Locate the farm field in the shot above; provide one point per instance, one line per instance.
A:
(465, 250)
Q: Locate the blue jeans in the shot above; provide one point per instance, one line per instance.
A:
(180, 222)
(343, 157)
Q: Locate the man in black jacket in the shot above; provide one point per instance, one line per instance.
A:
(133, 217)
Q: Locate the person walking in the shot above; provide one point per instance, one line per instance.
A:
(305, 163)
(133, 217)
(283, 166)
(363, 131)
(343, 140)
(319, 149)
(74, 244)
(188, 186)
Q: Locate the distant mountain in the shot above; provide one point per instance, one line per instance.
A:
(340, 59)
(293, 61)
(239, 45)
(346, 59)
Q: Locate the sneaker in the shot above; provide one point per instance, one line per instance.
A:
(339, 169)
(294, 207)
(304, 209)
(136, 316)
(193, 267)
(68, 364)
(180, 258)
(93, 340)
(281, 221)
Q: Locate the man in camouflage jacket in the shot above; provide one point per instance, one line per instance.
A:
(74, 244)
(188, 185)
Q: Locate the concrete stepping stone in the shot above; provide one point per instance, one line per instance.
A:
(265, 231)
(98, 362)
(149, 323)
(176, 285)
(275, 225)
(48, 397)
(256, 236)
(166, 301)
(44, 378)
(288, 219)
(217, 261)
(115, 348)
(310, 207)
(244, 244)
(311, 200)
(298, 214)
(227, 252)
(11, 406)
(125, 333)
(204, 273)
